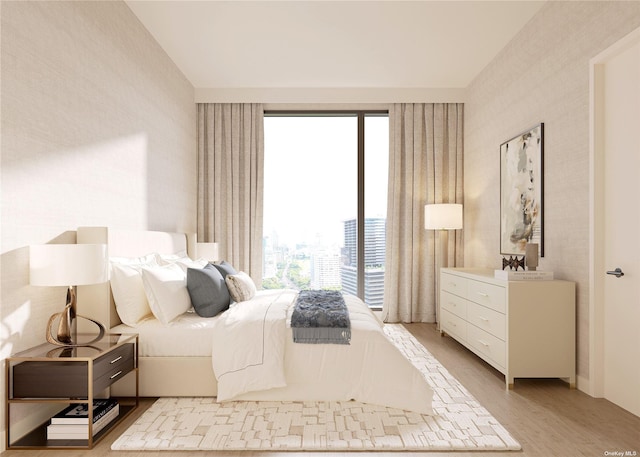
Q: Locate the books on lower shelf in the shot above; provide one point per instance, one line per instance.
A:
(527, 275)
(78, 413)
(73, 422)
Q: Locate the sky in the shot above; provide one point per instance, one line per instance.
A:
(310, 183)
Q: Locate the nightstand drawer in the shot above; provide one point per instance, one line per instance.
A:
(112, 366)
(113, 361)
(70, 379)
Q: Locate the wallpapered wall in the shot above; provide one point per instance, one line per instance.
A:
(98, 128)
(542, 76)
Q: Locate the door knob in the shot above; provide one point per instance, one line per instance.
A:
(617, 272)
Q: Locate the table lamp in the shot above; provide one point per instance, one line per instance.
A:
(68, 265)
(207, 251)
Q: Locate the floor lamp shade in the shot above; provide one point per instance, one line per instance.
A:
(443, 216)
(68, 265)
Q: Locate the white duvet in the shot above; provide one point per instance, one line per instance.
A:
(255, 358)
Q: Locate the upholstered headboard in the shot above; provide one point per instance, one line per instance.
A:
(95, 301)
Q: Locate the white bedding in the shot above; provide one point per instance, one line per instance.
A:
(370, 369)
(188, 335)
(248, 350)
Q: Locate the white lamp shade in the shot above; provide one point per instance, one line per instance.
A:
(443, 216)
(207, 251)
(68, 264)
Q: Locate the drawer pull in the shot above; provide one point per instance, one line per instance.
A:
(484, 319)
(453, 324)
(483, 343)
(116, 359)
(116, 375)
(453, 284)
(482, 294)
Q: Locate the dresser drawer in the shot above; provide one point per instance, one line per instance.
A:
(61, 379)
(453, 325)
(488, 320)
(454, 304)
(453, 284)
(489, 295)
(488, 345)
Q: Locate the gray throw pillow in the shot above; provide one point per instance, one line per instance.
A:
(225, 269)
(208, 291)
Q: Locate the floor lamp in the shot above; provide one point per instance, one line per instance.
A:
(442, 217)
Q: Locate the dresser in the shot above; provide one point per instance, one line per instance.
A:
(524, 329)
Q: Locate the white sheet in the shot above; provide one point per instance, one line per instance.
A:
(370, 369)
(188, 335)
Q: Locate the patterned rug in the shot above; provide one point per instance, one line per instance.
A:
(460, 423)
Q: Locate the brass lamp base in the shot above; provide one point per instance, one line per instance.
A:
(66, 335)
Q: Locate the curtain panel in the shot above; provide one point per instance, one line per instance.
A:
(425, 166)
(230, 182)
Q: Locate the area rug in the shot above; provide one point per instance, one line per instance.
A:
(460, 423)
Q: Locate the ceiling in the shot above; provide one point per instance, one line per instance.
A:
(332, 44)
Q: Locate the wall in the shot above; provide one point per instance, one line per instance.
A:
(98, 128)
(542, 76)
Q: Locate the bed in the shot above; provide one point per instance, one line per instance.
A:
(175, 358)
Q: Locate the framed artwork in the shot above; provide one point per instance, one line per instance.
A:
(522, 191)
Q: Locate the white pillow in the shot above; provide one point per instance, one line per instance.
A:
(166, 289)
(152, 259)
(183, 260)
(188, 263)
(241, 286)
(128, 292)
(166, 259)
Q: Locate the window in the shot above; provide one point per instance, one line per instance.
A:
(325, 181)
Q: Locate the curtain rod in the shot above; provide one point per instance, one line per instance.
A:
(324, 113)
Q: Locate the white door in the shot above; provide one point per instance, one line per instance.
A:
(621, 149)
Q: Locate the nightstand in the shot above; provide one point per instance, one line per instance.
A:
(54, 374)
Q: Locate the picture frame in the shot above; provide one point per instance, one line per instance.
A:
(522, 191)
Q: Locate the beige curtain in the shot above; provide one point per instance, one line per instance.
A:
(230, 182)
(425, 166)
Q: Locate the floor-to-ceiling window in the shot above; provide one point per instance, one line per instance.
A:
(325, 200)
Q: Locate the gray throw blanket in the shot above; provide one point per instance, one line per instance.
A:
(320, 317)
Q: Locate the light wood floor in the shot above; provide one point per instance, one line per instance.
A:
(545, 416)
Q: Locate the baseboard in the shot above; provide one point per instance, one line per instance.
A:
(584, 385)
